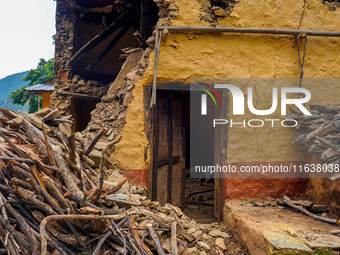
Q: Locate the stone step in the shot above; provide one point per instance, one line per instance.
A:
(263, 227)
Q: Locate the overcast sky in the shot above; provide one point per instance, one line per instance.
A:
(26, 30)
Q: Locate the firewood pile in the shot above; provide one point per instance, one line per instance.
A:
(54, 198)
(320, 132)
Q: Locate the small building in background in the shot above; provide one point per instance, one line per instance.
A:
(44, 89)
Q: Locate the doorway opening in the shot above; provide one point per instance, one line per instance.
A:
(173, 137)
(81, 109)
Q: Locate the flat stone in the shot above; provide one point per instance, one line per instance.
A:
(285, 243)
(94, 127)
(165, 210)
(135, 198)
(218, 11)
(100, 145)
(82, 82)
(191, 251)
(191, 230)
(112, 136)
(220, 243)
(328, 245)
(114, 178)
(146, 223)
(203, 253)
(95, 155)
(198, 234)
(218, 233)
(203, 245)
(269, 226)
(206, 237)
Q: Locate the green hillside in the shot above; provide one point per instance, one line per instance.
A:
(8, 84)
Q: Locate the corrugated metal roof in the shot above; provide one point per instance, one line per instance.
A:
(40, 87)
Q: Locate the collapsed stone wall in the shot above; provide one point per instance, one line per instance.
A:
(64, 38)
(75, 85)
(110, 113)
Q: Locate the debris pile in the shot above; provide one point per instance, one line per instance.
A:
(320, 133)
(54, 198)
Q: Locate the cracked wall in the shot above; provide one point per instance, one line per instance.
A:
(201, 55)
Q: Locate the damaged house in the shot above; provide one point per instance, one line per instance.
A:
(109, 57)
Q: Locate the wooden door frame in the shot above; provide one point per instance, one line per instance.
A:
(152, 129)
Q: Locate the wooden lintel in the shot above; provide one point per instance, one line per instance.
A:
(78, 95)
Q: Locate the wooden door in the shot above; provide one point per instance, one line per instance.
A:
(169, 159)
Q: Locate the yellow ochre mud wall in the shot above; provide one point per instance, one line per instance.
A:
(206, 55)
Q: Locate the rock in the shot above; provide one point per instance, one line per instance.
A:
(146, 223)
(100, 145)
(205, 3)
(109, 131)
(203, 253)
(191, 230)
(324, 214)
(206, 237)
(65, 128)
(114, 179)
(112, 136)
(191, 251)
(166, 3)
(203, 245)
(218, 233)
(81, 82)
(154, 205)
(173, 7)
(121, 120)
(166, 244)
(220, 243)
(218, 11)
(93, 127)
(75, 79)
(198, 234)
(291, 231)
(95, 156)
(165, 210)
(135, 198)
(127, 100)
(43, 112)
(79, 136)
(151, 40)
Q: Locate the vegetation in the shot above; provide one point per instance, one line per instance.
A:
(34, 76)
(8, 84)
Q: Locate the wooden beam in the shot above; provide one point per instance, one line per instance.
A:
(78, 95)
(99, 38)
(109, 47)
(141, 40)
(130, 63)
(170, 132)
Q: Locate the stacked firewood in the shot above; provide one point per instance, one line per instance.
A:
(54, 199)
(320, 132)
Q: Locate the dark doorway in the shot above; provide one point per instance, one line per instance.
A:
(81, 112)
